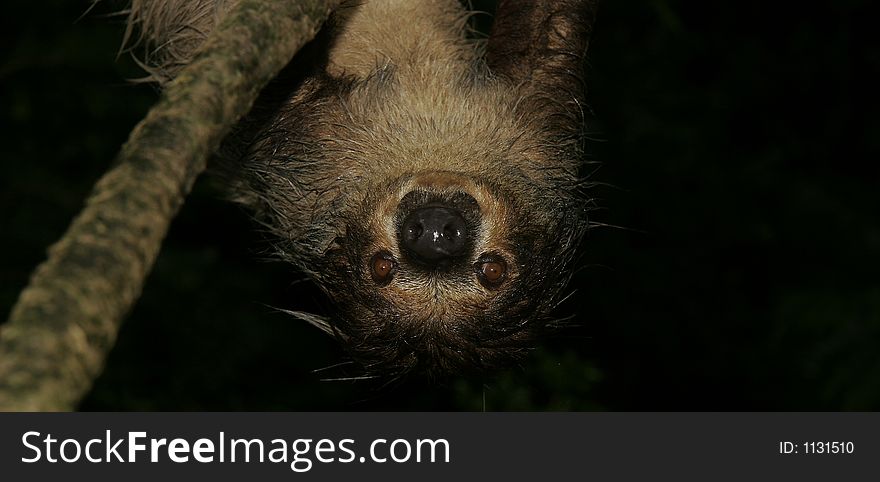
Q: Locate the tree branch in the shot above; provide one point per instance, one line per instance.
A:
(66, 320)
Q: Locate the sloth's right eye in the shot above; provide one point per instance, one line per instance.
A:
(382, 267)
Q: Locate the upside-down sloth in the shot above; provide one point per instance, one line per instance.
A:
(427, 180)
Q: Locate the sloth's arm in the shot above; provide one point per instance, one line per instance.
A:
(542, 42)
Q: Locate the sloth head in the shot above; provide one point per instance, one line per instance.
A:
(448, 273)
(442, 234)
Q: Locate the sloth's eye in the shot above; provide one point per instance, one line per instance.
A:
(491, 270)
(382, 267)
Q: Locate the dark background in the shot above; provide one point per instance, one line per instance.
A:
(740, 153)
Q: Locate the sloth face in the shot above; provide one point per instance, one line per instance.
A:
(446, 274)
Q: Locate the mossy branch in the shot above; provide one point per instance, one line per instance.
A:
(66, 320)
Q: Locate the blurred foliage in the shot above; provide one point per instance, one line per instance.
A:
(740, 156)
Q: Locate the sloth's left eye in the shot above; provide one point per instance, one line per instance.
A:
(491, 270)
(382, 267)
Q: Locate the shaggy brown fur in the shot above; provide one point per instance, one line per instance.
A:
(393, 109)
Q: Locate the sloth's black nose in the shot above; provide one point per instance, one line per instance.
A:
(434, 235)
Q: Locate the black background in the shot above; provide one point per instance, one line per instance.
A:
(740, 153)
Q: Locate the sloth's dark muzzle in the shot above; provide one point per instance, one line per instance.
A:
(434, 235)
(434, 231)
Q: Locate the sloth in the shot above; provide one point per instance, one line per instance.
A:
(429, 181)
